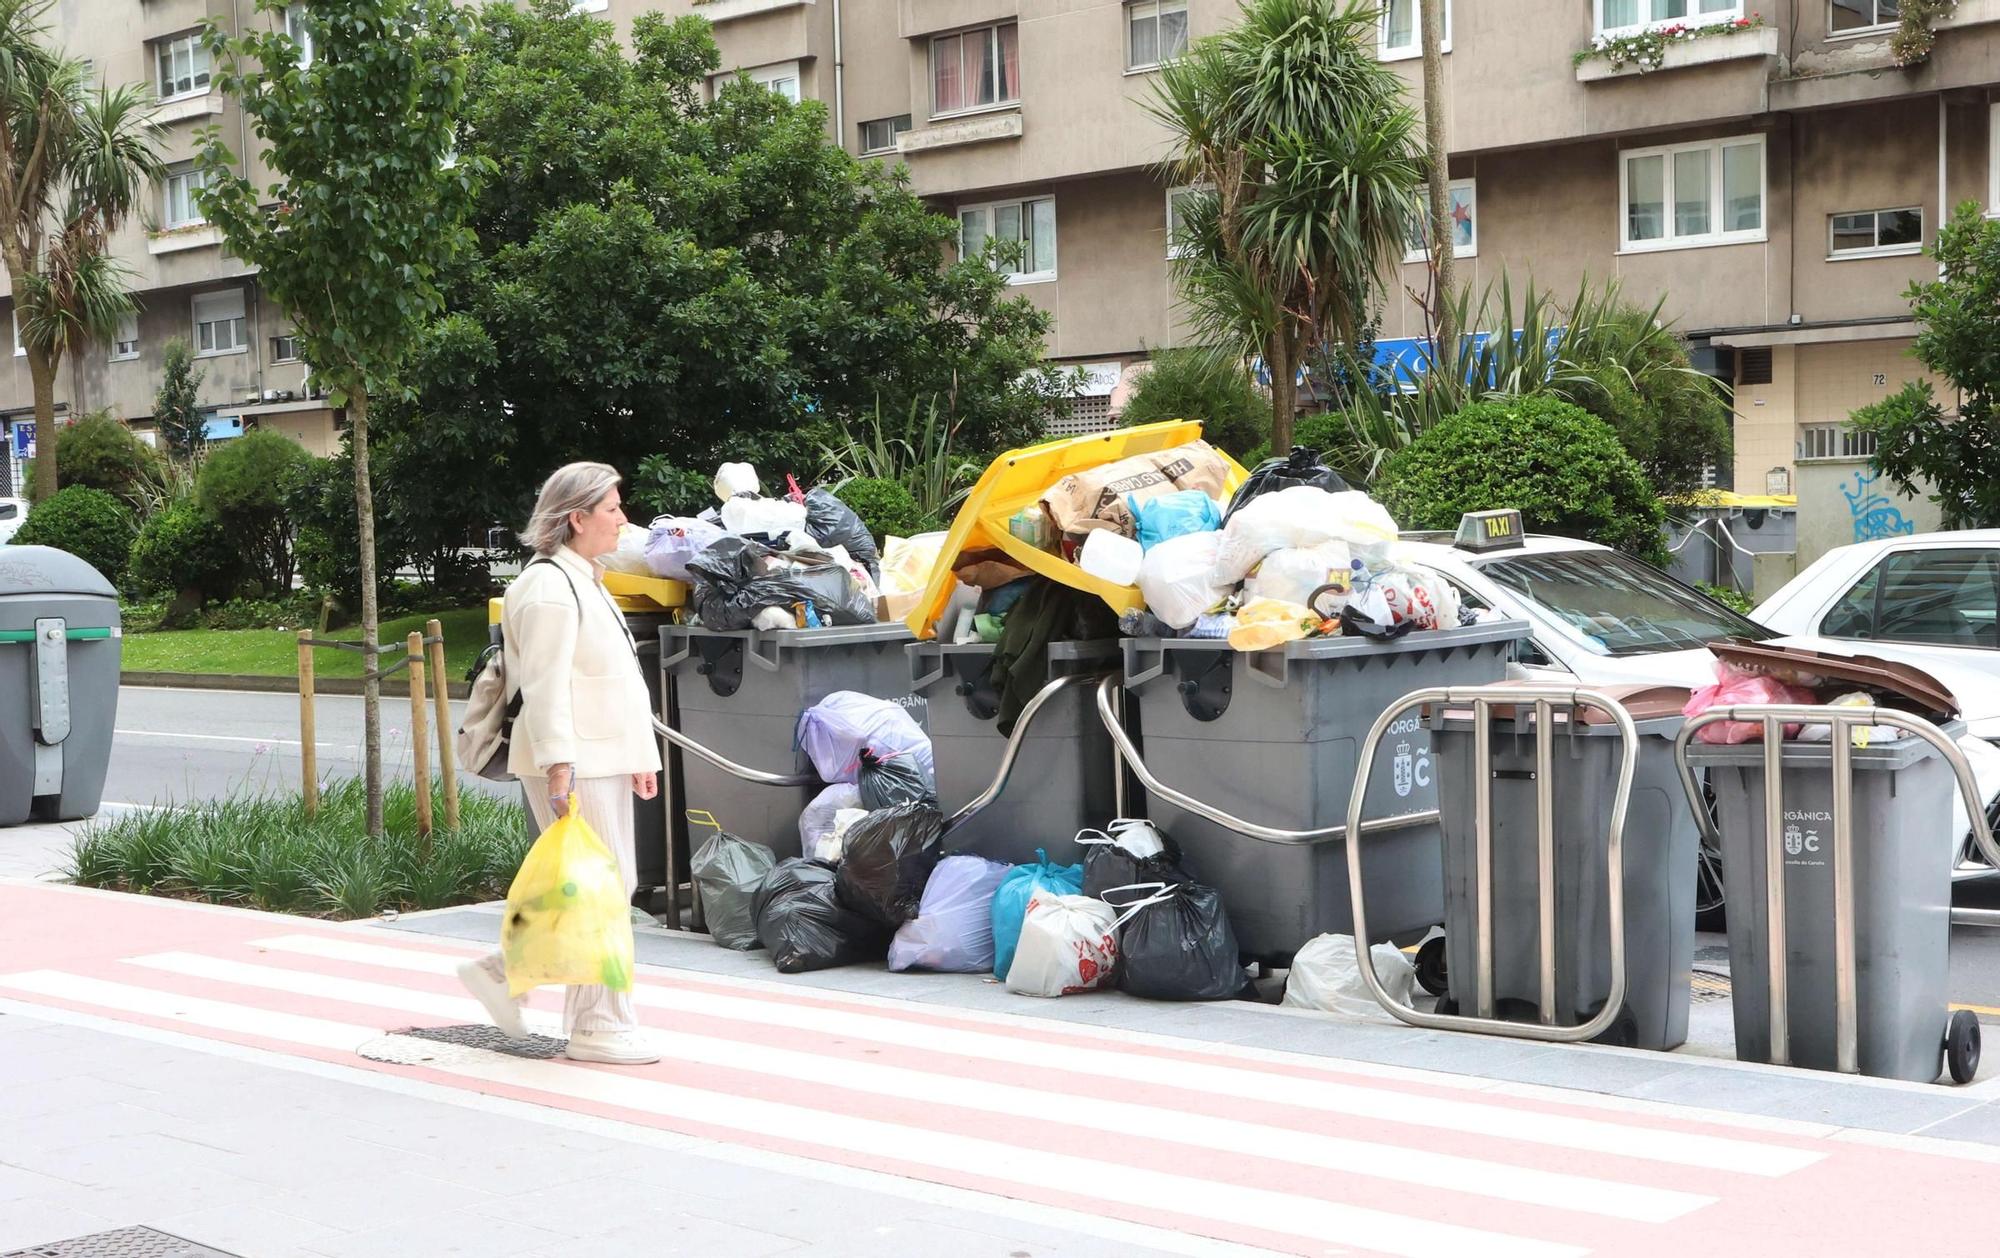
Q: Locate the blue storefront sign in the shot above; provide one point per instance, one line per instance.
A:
(24, 438)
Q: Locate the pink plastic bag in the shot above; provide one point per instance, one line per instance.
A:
(1733, 686)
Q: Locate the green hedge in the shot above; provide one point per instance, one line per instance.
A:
(184, 548)
(888, 509)
(88, 523)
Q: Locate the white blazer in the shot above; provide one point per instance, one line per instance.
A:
(583, 698)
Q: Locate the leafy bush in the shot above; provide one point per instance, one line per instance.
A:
(923, 454)
(662, 487)
(1632, 372)
(184, 548)
(884, 506)
(319, 496)
(1198, 384)
(1562, 467)
(88, 523)
(242, 484)
(100, 452)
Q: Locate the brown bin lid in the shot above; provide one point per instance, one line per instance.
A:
(1911, 684)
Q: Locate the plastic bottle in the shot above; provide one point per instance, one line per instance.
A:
(1112, 557)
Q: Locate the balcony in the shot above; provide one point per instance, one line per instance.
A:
(720, 11)
(952, 133)
(1760, 43)
(187, 108)
(178, 239)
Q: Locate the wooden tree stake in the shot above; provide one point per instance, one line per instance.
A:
(441, 692)
(308, 751)
(420, 738)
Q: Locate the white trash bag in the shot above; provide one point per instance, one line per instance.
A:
(833, 732)
(953, 929)
(1291, 574)
(772, 517)
(732, 479)
(1326, 977)
(630, 557)
(673, 540)
(1299, 517)
(818, 819)
(1069, 944)
(1174, 578)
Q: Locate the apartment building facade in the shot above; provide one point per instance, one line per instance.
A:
(1775, 179)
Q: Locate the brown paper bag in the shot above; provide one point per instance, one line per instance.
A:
(1101, 493)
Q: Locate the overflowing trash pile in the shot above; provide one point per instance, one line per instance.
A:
(1747, 674)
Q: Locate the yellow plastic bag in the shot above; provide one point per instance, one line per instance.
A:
(568, 920)
(1267, 622)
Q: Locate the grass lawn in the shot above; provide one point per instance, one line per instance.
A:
(275, 652)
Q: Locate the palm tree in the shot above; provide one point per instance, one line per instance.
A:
(74, 163)
(1307, 162)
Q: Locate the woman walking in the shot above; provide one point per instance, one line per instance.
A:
(584, 730)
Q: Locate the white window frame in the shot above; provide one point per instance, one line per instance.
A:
(1025, 204)
(1470, 186)
(293, 338)
(217, 307)
(1158, 8)
(196, 179)
(898, 125)
(125, 341)
(769, 76)
(1000, 102)
(199, 80)
(1834, 441)
(1710, 239)
(1384, 51)
(1854, 32)
(1731, 14)
(296, 28)
(1180, 251)
(1876, 251)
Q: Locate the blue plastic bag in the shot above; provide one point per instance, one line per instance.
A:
(1175, 515)
(1010, 902)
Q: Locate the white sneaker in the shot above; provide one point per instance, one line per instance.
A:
(492, 993)
(616, 1048)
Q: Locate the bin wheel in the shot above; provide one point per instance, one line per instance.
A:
(1961, 1046)
(1430, 967)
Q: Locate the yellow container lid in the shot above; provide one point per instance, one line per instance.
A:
(493, 609)
(645, 594)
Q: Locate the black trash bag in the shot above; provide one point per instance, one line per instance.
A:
(1107, 866)
(886, 859)
(833, 523)
(727, 872)
(1301, 467)
(735, 578)
(896, 782)
(801, 920)
(1359, 624)
(1180, 948)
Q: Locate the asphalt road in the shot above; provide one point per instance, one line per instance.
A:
(179, 745)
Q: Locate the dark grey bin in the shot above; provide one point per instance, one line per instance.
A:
(1062, 781)
(1902, 848)
(1272, 737)
(741, 693)
(650, 831)
(60, 644)
(1660, 847)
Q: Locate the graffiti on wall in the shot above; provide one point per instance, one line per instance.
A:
(1874, 513)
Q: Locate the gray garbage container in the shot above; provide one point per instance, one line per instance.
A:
(650, 831)
(1272, 737)
(1902, 849)
(60, 642)
(740, 694)
(1659, 851)
(1062, 781)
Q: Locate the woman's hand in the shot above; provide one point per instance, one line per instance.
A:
(562, 778)
(645, 785)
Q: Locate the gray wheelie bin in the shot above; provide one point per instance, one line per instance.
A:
(1063, 779)
(740, 694)
(1898, 1023)
(650, 831)
(1658, 856)
(60, 643)
(1271, 738)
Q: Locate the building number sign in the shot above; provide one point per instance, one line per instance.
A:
(1881, 377)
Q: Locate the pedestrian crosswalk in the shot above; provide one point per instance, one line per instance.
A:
(1284, 1153)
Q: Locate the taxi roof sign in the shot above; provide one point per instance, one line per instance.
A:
(1480, 531)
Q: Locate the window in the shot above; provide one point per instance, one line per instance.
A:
(1614, 605)
(1025, 230)
(1875, 233)
(1626, 17)
(1464, 224)
(1156, 31)
(295, 26)
(1685, 195)
(880, 135)
(1861, 15)
(1943, 597)
(125, 344)
(183, 66)
(178, 207)
(975, 69)
(1402, 35)
(782, 79)
(285, 349)
(1178, 204)
(218, 323)
(1753, 365)
(1834, 441)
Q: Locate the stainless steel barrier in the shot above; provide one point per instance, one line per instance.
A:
(1774, 717)
(1482, 698)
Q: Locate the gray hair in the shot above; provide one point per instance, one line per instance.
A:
(574, 487)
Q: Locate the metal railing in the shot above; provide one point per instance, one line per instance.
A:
(1545, 700)
(1773, 717)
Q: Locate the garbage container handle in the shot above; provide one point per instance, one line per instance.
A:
(978, 803)
(764, 652)
(1142, 663)
(1107, 712)
(727, 765)
(1774, 717)
(669, 659)
(1545, 699)
(926, 664)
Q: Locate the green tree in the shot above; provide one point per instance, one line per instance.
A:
(1954, 459)
(177, 406)
(74, 163)
(661, 274)
(1310, 164)
(366, 209)
(100, 452)
(242, 484)
(88, 523)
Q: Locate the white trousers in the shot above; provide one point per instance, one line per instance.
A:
(606, 806)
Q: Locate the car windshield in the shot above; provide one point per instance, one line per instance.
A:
(1617, 605)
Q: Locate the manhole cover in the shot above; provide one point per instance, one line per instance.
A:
(125, 1242)
(474, 1035)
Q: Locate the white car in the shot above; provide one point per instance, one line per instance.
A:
(12, 512)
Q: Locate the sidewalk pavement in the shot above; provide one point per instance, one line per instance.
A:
(35, 852)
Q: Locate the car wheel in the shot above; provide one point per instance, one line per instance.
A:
(1711, 910)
